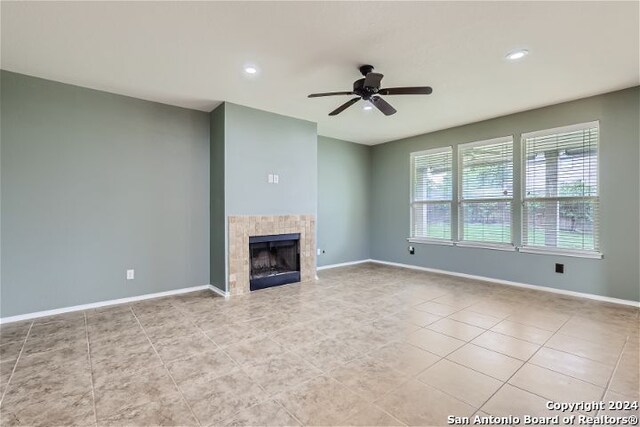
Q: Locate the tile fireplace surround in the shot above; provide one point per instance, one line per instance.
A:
(242, 227)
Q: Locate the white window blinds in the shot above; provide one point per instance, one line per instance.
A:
(431, 194)
(561, 205)
(486, 191)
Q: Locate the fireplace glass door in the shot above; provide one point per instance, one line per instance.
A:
(275, 260)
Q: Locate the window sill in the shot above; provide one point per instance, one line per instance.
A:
(430, 241)
(418, 240)
(497, 247)
(576, 254)
(508, 248)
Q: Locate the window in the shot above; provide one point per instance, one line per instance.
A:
(431, 194)
(486, 191)
(560, 203)
(560, 208)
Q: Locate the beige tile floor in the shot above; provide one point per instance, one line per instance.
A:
(365, 345)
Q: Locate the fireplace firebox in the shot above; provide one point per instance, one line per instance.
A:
(274, 260)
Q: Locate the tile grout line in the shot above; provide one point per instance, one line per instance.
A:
(235, 362)
(407, 377)
(465, 322)
(288, 412)
(164, 365)
(15, 366)
(286, 350)
(540, 345)
(495, 351)
(573, 355)
(528, 325)
(600, 362)
(518, 370)
(527, 361)
(445, 357)
(518, 338)
(508, 336)
(448, 393)
(273, 398)
(255, 382)
(615, 369)
(93, 391)
(372, 403)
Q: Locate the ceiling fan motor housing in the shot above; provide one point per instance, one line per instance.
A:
(363, 91)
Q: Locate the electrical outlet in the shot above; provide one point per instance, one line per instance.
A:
(276, 178)
(412, 250)
(319, 251)
(270, 178)
(560, 268)
(131, 274)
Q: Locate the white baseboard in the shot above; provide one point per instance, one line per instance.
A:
(219, 291)
(344, 264)
(224, 294)
(81, 307)
(510, 283)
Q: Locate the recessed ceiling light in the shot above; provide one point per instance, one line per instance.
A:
(517, 54)
(250, 69)
(367, 106)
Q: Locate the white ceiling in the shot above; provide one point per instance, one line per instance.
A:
(192, 55)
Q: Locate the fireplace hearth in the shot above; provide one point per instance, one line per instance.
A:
(274, 260)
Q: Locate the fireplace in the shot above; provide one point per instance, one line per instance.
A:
(274, 260)
(242, 227)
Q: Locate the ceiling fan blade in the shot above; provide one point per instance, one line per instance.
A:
(373, 80)
(344, 106)
(315, 95)
(383, 105)
(422, 90)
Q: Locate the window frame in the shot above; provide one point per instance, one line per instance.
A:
(460, 177)
(456, 213)
(413, 202)
(554, 250)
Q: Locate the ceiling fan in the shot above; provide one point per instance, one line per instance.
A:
(368, 89)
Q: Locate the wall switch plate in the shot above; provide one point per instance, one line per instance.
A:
(270, 178)
(131, 274)
(276, 178)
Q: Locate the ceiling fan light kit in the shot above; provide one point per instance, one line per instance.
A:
(368, 89)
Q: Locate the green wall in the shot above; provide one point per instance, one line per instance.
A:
(614, 276)
(247, 145)
(92, 184)
(217, 224)
(343, 201)
(258, 143)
